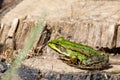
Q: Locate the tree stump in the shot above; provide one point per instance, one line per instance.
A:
(94, 23)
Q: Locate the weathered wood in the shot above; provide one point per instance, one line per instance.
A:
(42, 40)
(118, 37)
(1, 29)
(23, 32)
(94, 13)
(108, 33)
(8, 50)
(5, 33)
(1, 26)
(90, 32)
(13, 28)
(87, 22)
(10, 43)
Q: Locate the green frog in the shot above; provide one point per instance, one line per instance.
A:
(79, 55)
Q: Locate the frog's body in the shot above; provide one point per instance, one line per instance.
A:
(79, 55)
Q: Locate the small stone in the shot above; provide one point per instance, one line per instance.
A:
(3, 67)
(50, 75)
(66, 76)
(27, 73)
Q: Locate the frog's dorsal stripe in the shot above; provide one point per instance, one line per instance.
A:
(87, 55)
(77, 46)
(74, 50)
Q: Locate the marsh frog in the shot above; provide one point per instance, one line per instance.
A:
(79, 55)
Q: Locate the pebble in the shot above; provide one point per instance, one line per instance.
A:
(3, 67)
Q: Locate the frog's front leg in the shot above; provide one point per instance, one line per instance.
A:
(69, 60)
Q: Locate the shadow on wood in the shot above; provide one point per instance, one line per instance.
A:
(1, 2)
(113, 50)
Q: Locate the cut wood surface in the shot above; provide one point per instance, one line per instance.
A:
(7, 5)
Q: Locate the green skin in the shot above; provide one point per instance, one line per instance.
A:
(84, 56)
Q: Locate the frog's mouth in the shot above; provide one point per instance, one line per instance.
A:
(53, 46)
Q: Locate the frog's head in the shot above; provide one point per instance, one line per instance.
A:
(56, 44)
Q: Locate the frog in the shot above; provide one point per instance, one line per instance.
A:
(79, 55)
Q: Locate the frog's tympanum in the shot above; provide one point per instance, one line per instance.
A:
(79, 55)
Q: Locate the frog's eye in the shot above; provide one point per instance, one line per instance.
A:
(62, 49)
(57, 45)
